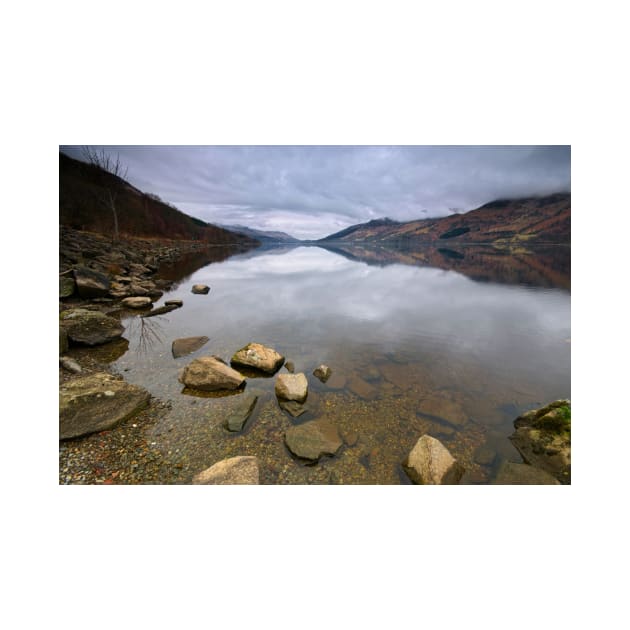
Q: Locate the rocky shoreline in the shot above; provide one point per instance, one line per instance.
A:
(101, 281)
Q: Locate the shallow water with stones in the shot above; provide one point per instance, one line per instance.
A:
(454, 343)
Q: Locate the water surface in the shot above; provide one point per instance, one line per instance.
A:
(454, 343)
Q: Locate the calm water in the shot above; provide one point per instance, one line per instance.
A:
(454, 343)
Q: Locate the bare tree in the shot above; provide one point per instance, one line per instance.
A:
(114, 167)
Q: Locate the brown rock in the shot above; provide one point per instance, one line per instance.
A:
(137, 302)
(430, 463)
(259, 357)
(322, 372)
(444, 408)
(313, 439)
(242, 469)
(362, 388)
(292, 387)
(210, 374)
(200, 289)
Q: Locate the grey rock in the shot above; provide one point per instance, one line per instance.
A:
(178, 303)
(235, 470)
(95, 403)
(292, 407)
(313, 439)
(90, 283)
(160, 311)
(70, 365)
(90, 328)
(238, 417)
(186, 345)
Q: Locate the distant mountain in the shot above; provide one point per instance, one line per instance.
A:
(83, 195)
(264, 236)
(534, 219)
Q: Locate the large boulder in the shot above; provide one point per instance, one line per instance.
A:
(235, 470)
(430, 463)
(543, 438)
(210, 374)
(240, 414)
(90, 283)
(186, 345)
(97, 402)
(511, 474)
(313, 439)
(292, 387)
(90, 328)
(259, 357)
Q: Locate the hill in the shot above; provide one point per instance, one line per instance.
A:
(533, 219)
(83, 187)
(264, 236)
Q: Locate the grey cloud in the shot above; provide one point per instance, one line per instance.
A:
(311, 191)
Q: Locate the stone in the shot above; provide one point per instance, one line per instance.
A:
(292, 387)
(70, 365)
(485, 455)
(523, 475)
(543, 439)
(210, 374)
(178, 303)
(322, 372)
(350, 437)
(336, 381)
(259, 357)
(137, 302)
(97, 402)
(430, 463)
(200, 289)
(90, 328)
(242, 469)
(66, 286)
(238, 417)
(63, 340)
(361, 388)
(312, 440)
(186, 345)
(160, 311)
(440, 406)
(90, 283)
(290, 366)
(292, 407)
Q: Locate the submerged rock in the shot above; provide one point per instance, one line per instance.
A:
(90, 328)
(292, 407)
(259, 357)
(523, 475)
(362, 388)
(322, 372)
(160, 311)
(440, 406)
(137, 302)
(313, 439)
(97, 402)
(543, 438)
(238, 417)
(186, 345)
(242, 469)
(200, 289)
(90, 283)
(430, 463)
(292, 387)
(210, 374)
(290, 366)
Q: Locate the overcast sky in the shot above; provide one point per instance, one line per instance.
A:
(313, 191)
